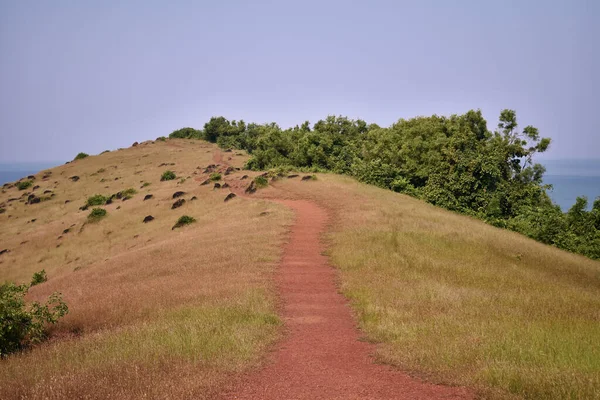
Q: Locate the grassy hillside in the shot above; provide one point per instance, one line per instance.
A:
(154, 312)
(163, 313)
(458, 301)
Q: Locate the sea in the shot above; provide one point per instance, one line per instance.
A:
(569, 178)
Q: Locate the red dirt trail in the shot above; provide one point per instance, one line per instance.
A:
(321, 356)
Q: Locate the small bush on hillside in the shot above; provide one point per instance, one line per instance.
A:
(105, 151)
(96, 200)
(215, 176)
(39, 277)
(145, 184)
(168, 176)
(22, 185)
(81, 156)
(161, 139)
(97, 214)
(261, 182)
(184, 220)
(22, 325)
(128, 193)
(101, 170)
(2, 210)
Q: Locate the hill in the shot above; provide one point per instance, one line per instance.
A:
(177, 313)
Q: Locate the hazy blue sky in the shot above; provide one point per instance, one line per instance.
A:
(95, 75)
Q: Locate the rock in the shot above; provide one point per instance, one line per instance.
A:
(148, 218)
(217, 186)
(225, 185)
(31, 177)
(307, 177)
(47, 191)
(74, 178)
(228, 151)
(109, 201)
(178, 194)
(178, 204)
(134, 144)
(30, 197)
(251, 188)
(229, 197)
(229, 170)
(33, 220)
(119, 207)
(35, 200)
(83, 208)
(244, 177)
(4, 251)
(148, 197)
(67, 201)
(206, 182)
(36, 187)
(262, 214)
(193, 198)
(66, 231)
(292, 176)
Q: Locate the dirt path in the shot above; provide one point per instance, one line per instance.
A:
(321, 356)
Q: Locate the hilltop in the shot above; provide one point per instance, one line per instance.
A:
(162, 311)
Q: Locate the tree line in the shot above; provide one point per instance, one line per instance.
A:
(454, 162)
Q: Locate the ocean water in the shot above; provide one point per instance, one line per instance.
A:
(10, 172)
(572, 178)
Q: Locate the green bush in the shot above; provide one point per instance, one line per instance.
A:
(39, 277)
(145, 184)
(161, 139)
(184, 220)
(22, 185)
(81, 156)
(22, 325)
(215, 176)
(128, 193)
(97, 214)
(96, 200)
(168, 176)
(261, 182)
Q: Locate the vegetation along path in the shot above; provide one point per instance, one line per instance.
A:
(321, 356)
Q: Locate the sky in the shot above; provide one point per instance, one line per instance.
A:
(96, 75)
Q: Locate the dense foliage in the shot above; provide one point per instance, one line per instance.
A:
(454, 162)
(22, 325)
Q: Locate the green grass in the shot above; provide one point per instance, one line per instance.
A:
(183, 221)
(458, 301)
(261, 182)
(215, 176)
(96, 200)
(97, 214)
(22, 185)
(168, 176)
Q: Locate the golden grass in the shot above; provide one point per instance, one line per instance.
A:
(153, 312)
(458, 301)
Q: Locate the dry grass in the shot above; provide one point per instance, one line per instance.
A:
(153, 312)
(458, 301)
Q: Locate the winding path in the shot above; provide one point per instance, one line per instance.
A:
(321, 356)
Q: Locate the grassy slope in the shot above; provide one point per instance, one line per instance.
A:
(153, 312)
(459, 301)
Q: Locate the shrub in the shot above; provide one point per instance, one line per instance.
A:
(161, 139)
(168, 176)
(261, 182)
(97, 214)
(184, 220)
(2, 210)
(128, 193)
(81, 156)
(22, 325)
(96, 200)
(215, 176)
(39, 277)
(22, 185)
(105, 151)
(145, 184)
(101, 170)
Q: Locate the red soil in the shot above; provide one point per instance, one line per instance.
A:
(321, 356)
